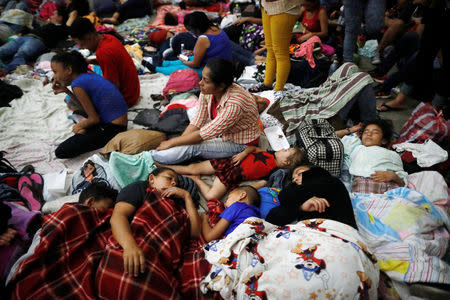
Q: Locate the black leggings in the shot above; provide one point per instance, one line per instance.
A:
(95, 137)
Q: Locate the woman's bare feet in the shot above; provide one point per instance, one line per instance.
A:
(259, 59)
(396, 104)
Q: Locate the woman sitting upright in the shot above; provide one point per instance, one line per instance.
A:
(101, 102)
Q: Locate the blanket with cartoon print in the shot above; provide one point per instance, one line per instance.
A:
(313, 259)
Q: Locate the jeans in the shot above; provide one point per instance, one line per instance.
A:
(95, 137)
(215, 148)
(366, 104)
(20, 51)
(242, 55)
(355, 10)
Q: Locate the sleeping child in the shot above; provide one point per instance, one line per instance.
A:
(251, 164)
(242, 203)
(374, 168)
(161, 183)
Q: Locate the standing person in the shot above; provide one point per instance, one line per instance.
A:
(114, 60)
(355, 10)
(278, 18)
(226, 120)
(102, 102)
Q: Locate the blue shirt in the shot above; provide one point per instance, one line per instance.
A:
(106, 98)
(236, 213)
(219, 47)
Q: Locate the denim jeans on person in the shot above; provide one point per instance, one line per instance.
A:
(366, 102)
(242, 55)
(354, 11)
(215, 148)
(20, 51)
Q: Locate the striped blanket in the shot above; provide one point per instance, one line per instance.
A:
(79, 258)
(324, 101)
(407, 233)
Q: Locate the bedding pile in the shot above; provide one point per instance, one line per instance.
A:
(318, 259)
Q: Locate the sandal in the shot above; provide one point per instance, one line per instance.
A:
(259, 88)
(31, 187)
(388, 108)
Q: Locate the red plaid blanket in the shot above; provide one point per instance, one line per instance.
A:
(78, 258)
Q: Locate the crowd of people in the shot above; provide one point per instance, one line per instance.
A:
(225, 132)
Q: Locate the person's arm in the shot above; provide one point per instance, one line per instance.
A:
(72, 16)
(253, 20)
(315, 204)
(185, 139)
(323, 18)
(259, 184)
(93, 117)
(189, 129)
(59, 88)
(236, 159)
(387, 176)
(216, 232)
(190, 208)
(343, 132)
(133, 256)
(201, 46)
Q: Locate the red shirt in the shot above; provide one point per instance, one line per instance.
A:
(258, 165)
(118, 67)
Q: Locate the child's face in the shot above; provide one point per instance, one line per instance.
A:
(163, 180)
(103, 204)
(234, 196)
(61, 74)
(285, 156)
(372, 136)
(297, 174)
(88, 170)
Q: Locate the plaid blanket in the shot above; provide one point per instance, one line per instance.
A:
(78, 256)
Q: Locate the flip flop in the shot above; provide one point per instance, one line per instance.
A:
(30, 188)
(388, 108)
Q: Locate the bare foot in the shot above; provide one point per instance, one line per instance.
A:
(110, 21)
(388, 106)
(7, 237)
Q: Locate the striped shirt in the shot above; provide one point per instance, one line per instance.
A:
(236, 120)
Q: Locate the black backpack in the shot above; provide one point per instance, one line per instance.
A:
(322, 146)
(8, 92)
(5, 165)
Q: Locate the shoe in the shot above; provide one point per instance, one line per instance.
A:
(259, 88)
(376, 60)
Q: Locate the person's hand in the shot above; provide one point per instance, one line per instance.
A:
(238, 158)
(240, 21)
(133, 261)
(165, 145)
(59, 88)
(175, 191)
(383, 176)
(356, 128)
(315, 204)
(78, 129)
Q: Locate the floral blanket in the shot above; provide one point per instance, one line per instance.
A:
(407, 232)
(313, 259)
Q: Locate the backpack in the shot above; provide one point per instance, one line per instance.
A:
(181, 81)
(322, 146)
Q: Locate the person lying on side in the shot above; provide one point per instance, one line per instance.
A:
(162, 182)
(242, 203)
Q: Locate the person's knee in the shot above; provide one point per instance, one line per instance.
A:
(62, 152)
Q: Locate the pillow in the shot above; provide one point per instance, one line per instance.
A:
(54, 205)
(134, 141)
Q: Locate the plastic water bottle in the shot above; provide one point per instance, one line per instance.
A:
(182, 49)
(333, 67)
(236, 10)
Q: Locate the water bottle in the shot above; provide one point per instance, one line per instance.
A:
(333, 67)
(236, 10)
(182, 49)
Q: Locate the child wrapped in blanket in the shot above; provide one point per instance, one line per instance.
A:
(251, 164)
(162, 183)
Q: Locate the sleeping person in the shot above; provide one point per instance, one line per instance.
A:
(162, 184)
(313, 193)
(374, 168)
(102, 103)
(242, 203)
